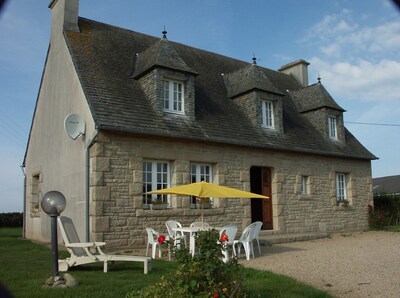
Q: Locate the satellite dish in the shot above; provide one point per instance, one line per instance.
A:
(74, 126)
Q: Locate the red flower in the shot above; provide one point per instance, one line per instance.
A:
(216, 295)
(224, 237)
(161, 239)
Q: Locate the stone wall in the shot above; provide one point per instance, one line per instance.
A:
(117, 216)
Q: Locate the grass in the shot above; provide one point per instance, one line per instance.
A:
(25, 266)
(392, 228)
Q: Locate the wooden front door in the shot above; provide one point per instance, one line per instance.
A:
(266, 203)
(261, 209)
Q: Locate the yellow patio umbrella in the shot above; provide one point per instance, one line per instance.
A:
(204, 190)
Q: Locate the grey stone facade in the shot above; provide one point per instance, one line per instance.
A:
(118, 217)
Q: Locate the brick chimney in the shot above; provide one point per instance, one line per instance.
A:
(299, 70)
(64, 15)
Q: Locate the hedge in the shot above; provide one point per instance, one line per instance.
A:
(13, 219)
(386, 211)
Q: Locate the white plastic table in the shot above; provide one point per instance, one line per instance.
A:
(192, 239)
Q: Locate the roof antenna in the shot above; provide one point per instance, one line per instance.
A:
(319, 79)
(254, 59)
(164, 33)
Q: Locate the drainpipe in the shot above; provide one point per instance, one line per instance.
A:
(87, 181)
(24, 199)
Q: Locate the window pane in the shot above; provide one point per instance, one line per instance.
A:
(155, 176)
(267, 114)
(198, 173)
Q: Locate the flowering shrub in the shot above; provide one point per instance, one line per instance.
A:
(161, 239)
(203, 275)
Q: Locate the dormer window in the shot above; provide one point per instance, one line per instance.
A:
(173, 96)
(267, 114)
(332, 123)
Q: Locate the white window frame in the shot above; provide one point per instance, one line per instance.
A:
(332, 125)
(200, 172)
(304, 185)
(267, 114)
(156, 176)
(173, 95)
(341, 186)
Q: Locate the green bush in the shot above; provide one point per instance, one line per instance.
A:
(11, 220)
(386, 211)
(203, 275)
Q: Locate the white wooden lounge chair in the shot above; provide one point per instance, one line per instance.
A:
(80, 251)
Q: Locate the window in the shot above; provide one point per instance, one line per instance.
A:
(155, 176)
(198, 173)
(332, 127)
(341, 193)
(304, 182)
(267, 112)
(173, 96)
(36, 195)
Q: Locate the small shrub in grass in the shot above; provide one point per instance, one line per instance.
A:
(203, 275)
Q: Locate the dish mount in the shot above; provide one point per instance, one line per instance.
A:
(74, 126)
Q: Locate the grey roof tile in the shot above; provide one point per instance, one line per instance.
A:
(104, 59)
(314, 97)
(246, 79)
(161, 54)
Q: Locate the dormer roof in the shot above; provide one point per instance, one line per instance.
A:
(161, 54)
(103, 56)
(247, 79)
(314, 97)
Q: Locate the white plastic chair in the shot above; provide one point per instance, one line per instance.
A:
(230, 231)
(152, 239)
(176, 236)
(256, 233)
(246, 241)
(200, 224)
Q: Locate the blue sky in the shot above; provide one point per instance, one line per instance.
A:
(354, 46)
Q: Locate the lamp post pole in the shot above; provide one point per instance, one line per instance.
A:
(54, 244)
(53, 203)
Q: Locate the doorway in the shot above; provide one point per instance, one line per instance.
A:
(261, 209)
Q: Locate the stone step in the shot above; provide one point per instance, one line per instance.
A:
(268, 238)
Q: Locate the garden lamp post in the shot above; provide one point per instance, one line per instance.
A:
(53, 203)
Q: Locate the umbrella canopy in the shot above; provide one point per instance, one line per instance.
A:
(207, 190)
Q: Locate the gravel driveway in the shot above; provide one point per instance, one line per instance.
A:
(345, 265)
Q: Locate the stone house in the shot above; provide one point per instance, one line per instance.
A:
(159, 113)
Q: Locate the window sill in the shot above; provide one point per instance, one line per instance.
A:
(174, 112)
(268, 127)
(343, 208)
(306, 197)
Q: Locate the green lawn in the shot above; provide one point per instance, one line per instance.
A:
(25, 266)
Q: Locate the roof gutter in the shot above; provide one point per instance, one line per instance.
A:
(89, 144)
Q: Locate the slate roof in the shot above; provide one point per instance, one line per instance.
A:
(314, 97)
(386, 185)
(161, 54)
(247, 79)
(104, 57)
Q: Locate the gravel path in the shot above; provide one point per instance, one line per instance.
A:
(345, 265)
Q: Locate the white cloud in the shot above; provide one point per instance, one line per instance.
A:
(343, 35)
(365, 80)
